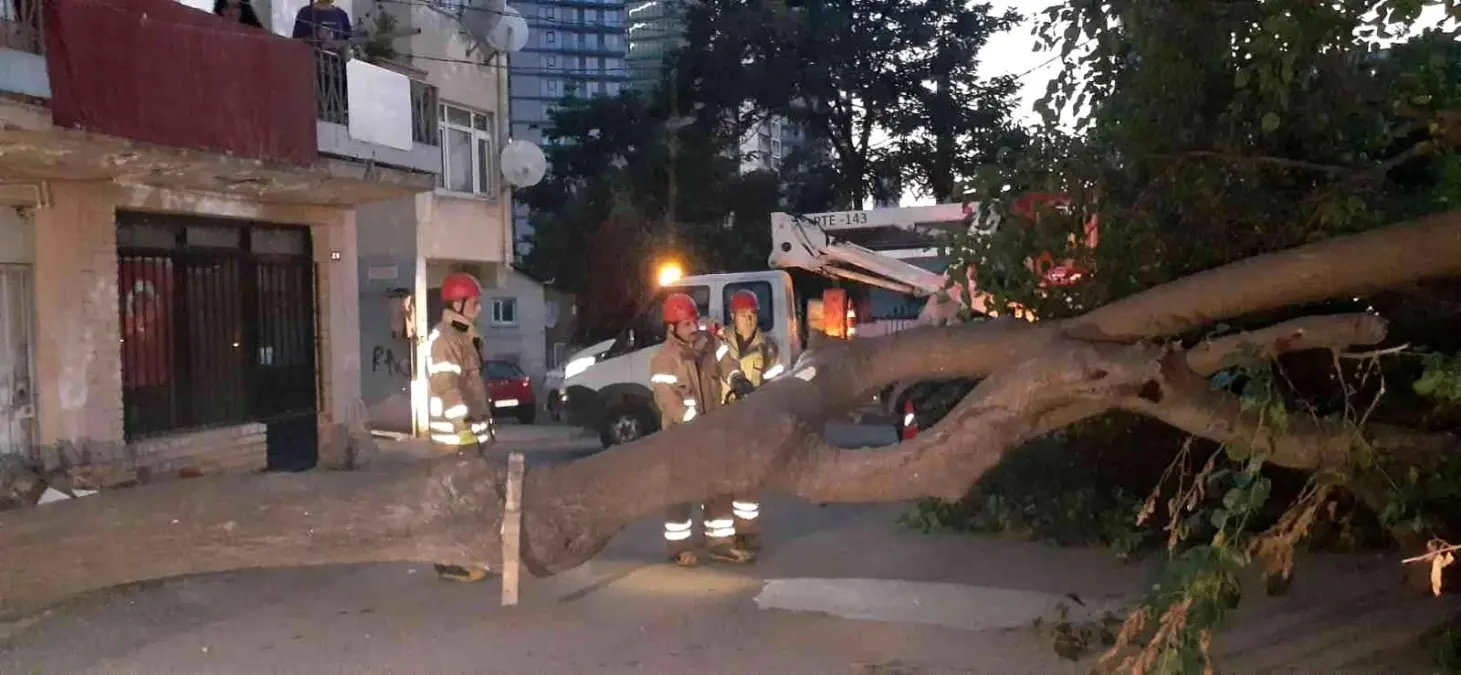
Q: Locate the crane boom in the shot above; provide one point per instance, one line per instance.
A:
(818, 243)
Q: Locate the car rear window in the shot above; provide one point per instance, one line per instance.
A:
(502, 370)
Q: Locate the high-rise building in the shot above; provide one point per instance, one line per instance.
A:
(575, 47)
(656, 28)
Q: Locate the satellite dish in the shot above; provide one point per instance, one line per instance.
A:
(511, 32)
(480, 18)
(523, 164)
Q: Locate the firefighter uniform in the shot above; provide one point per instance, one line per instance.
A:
(458, 410)
(458, 406)
(687, 377)
(758, 358)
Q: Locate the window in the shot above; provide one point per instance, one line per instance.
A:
(550, 37)
(765, 316)
(552, 61)
(469, 152)
(503, 370)
(546, 12)
(550, 87)
(504, 311)
(593, 89)
(594, 16)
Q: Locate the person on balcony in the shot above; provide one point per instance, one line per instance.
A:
(322, 23)
(241, 11)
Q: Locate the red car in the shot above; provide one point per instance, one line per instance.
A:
(511, 391)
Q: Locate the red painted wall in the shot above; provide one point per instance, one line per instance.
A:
(160, 72)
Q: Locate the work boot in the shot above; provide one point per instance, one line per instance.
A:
(459, 573)
(731, 552)
(750, 541)
(685, 559)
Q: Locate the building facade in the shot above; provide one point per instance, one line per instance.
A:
(177, 286)
(575, 48)
(409, 245)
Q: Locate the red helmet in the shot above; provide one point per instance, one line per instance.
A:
(460, 286)
(680, 307)
(744, 300)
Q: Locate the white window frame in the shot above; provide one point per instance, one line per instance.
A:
(488, 187)
(497, 305)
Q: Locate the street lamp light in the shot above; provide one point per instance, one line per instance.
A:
(669, 273)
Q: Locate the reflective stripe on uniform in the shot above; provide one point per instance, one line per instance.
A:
(771, 372)
(438, 367)
(721, 352)
(664, 378)
(689, 409)
(720, 528)
(447, 439)
(455, 412)
(746, 510)
(435, 406)
(442, 426)
(678, 531)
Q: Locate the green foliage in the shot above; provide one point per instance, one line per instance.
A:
(842, 70)
(1441, 377)
(1210, 131)
(1044, 493)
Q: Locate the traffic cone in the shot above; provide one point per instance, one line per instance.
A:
(910, 421)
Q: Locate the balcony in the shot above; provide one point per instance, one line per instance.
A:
(381, 98)
(240, 111)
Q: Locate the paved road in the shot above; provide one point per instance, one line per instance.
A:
(840, 590)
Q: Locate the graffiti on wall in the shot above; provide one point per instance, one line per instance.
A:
(386, 359)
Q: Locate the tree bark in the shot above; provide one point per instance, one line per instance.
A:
(1040, 377)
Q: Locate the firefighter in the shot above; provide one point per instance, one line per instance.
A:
(459, 412)
(758, 358)
(688, 371)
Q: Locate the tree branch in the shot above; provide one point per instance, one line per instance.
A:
(1302, 442)
(1428, 248)
(1336, 331)
(1002, 413)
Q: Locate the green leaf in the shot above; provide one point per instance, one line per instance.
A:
(1271, 121)
(1219, 518)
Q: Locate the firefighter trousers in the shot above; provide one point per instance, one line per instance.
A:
(747, 512)
(719, 522)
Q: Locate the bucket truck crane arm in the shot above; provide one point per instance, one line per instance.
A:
(820, 243)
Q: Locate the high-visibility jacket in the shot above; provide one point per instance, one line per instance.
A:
(458, 406)
(687, 377)
(755, 357)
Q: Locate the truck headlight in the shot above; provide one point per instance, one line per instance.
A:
(577, 366)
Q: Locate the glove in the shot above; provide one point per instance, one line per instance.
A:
(741, 387)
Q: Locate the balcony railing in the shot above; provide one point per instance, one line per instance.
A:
(20, 26)
(334, 104)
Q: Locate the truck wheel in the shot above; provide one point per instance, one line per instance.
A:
(526, 414)
(626, 423)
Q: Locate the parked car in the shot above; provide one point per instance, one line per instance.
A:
(511, 390)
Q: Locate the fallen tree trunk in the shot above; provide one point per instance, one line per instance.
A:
(1039, 378)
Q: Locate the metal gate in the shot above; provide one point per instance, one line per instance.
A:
(218, 329)
(17, 361)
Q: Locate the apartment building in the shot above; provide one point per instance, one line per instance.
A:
(178, 285)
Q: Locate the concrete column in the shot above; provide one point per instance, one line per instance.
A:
(78, 351)
(335, 255)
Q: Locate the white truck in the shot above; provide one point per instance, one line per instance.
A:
(606, 386)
